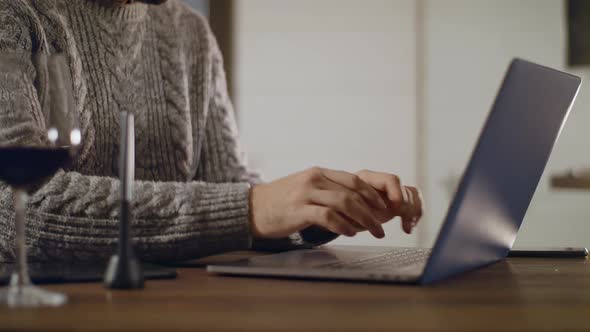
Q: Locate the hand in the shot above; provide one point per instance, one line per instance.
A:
(389, 187)
(338, 201)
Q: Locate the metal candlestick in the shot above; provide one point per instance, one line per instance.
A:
(124, 270)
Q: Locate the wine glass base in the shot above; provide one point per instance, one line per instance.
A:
(29, 296)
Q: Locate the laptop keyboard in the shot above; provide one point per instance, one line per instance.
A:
(385, 261)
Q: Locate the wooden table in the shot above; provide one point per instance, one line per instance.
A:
(519, 294)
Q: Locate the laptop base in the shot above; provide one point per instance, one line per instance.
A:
(317, 264)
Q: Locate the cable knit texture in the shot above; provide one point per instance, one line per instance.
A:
(162, 63)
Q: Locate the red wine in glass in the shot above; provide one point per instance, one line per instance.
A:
(31, 166)
(32, 150)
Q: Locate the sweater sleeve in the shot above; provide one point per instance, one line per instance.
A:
(223, 160)
(75, 217)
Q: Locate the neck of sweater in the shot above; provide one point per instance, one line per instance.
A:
(114, 10)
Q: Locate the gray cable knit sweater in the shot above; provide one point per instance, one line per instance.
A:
(162, 63)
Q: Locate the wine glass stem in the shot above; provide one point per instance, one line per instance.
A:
(21, 277)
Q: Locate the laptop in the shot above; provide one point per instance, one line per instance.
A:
(490, 203)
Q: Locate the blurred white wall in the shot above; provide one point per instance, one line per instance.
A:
(469, 45)
(332, 83)
(328, 83)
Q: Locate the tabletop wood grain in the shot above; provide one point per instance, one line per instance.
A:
(519, 294)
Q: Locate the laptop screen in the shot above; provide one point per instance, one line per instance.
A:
(505, 168)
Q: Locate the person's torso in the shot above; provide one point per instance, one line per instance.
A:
(133, 60)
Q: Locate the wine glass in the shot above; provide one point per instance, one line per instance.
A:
(38, 135)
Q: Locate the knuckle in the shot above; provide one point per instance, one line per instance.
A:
(314, 170)
(356, 181)
(331, 224)
(356, 198)
(348, 199)
(327, 215)
(363, 171)
(312, 175)
(395, 179)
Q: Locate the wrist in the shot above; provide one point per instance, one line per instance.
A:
(252, 211)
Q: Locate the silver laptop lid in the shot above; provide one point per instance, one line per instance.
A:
(505, 168)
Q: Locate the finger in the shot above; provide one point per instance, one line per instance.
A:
(355, 183)
(407, 210)
(388, 183)
(414, 209)
(357, 227)
(418, 207)
(350, 204)
(327, 218)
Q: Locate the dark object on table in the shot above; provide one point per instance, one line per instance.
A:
(578, 15)
(124, 269)
(57, 273)
(573, 179)
(549, 252)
